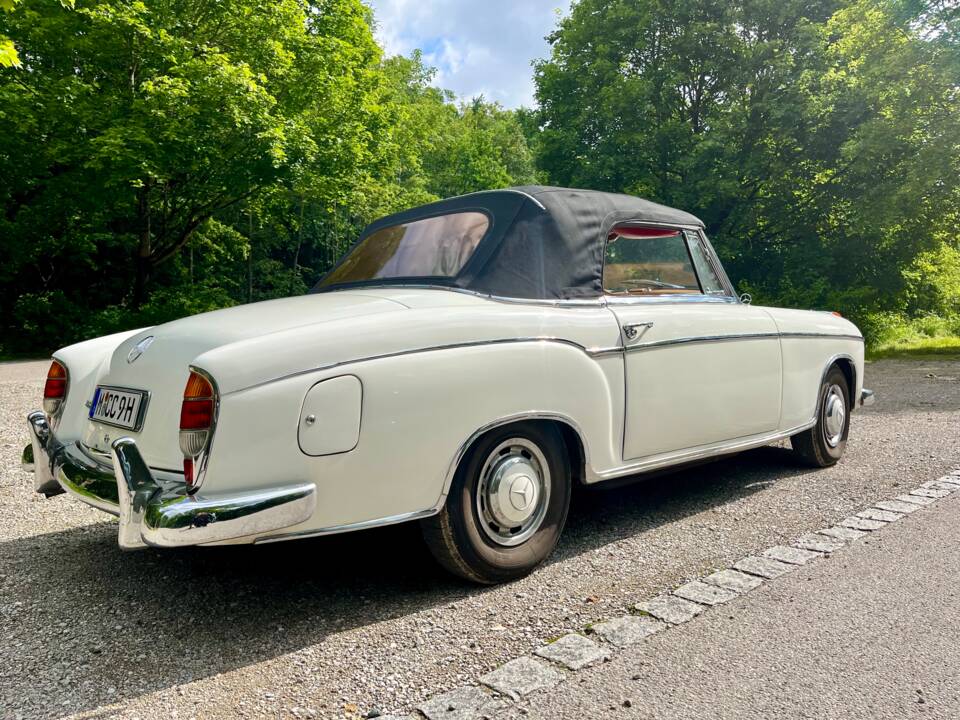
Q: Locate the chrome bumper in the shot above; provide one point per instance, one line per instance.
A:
(867, 398)
(153, 511)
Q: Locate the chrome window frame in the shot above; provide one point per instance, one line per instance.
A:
(730, 297)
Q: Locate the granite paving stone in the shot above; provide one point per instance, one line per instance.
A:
(859, 523)
(919, 500)
(627, 629)
(819, 543)
(764, 567)
(793, 555)
(521, 677)
(573, 651)
(882, 515)
(929, 492)
(463, 703)
(897, 506)
(671, 609)
(941, 485)
(734, 580)
(846, 534)
(704, 593)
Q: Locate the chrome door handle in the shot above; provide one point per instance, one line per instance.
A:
(631, 331)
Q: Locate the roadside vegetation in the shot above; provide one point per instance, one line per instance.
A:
(160, 158)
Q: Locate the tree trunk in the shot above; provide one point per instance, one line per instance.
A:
(144, 249)
(250, 256)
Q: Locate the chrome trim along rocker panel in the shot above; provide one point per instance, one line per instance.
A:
(153, 511)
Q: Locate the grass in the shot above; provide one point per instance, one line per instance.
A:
(929, 337)
(935, 348)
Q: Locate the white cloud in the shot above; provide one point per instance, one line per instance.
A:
(478, 48)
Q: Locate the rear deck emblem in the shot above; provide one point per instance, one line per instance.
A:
(139, 349)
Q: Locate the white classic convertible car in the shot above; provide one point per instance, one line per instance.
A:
(463, 365)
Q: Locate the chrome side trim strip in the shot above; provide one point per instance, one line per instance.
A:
(658, 462)
(559, 302)
(350, 527)
(596, 351)
(415, 351)
(791, 335)
(703, 339)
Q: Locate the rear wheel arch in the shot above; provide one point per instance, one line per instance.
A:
(468, 535)
(576, 449)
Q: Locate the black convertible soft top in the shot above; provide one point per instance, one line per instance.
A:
(542, 242)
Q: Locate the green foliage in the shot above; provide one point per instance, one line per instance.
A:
(894, 334)
(819, 141)
(162, 157)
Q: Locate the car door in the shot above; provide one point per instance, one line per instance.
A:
(700, 367)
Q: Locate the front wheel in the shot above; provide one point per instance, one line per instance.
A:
(506, 507)
(824, 443)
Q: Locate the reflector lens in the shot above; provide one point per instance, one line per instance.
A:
(188, 470)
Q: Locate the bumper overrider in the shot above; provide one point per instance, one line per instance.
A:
(154, 511)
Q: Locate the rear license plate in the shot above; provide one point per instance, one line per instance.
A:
(119, 407)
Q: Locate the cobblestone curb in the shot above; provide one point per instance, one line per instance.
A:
(557, 661)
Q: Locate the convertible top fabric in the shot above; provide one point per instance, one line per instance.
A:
(542, 243)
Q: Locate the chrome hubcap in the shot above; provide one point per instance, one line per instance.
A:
(834, 415)
(513, 492)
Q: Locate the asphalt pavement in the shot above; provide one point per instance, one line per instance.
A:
(872, 632)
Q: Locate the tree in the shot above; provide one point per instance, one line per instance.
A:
(817, 139)
(164, 157)
(175, 111)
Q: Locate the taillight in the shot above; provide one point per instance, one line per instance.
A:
(196, 421)
(55, 389)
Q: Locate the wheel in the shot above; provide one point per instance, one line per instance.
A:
(824, 443)
(506, 507)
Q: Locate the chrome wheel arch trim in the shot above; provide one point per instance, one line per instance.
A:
(823, 378)
(500, 422)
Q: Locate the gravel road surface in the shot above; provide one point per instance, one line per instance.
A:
(870, 634)
(339, 626)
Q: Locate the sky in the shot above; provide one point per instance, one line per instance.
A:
(477, 46)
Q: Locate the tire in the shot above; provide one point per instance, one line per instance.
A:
(506, 507)
(824, 443)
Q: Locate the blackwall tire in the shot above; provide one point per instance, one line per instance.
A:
(506, 507)
(823, 444)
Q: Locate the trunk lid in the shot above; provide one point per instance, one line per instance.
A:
(163, 367)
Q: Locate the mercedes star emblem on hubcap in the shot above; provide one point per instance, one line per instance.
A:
(521, 492)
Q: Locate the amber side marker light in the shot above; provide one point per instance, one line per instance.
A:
(196, 419)
(55, 389)
(834, 312)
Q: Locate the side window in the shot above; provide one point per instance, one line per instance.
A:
(648, 261)
(708, 275)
